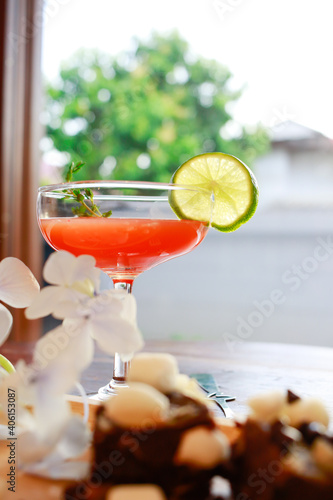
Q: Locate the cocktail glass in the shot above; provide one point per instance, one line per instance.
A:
(142, 232)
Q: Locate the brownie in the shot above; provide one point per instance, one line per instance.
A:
(146, 455)
(270, 465)
(270, 460)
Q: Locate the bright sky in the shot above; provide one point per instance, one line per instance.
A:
(280, 50)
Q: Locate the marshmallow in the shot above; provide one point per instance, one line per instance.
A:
(159, 370)
(135, 492)
(137, 405)
(267, 407)
(322, 452)
(202, 447)
(306, 411)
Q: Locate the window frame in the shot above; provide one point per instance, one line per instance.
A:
(20, 132)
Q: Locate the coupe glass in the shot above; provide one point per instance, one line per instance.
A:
(142, 232)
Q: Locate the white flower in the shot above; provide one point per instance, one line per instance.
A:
(6, 321)
(69, 347)
(50, 434)
(71, 278)
(18, 288)
(41, 388)
(109, 318)
(49, 457)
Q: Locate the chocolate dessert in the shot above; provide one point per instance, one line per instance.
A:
(157, 440)
(284, 451)
(159, 434)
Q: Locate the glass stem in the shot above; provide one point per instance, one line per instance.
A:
(120, 368)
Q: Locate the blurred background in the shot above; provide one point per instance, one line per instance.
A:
(136, 88)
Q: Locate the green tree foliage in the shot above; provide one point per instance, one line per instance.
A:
(141, 114)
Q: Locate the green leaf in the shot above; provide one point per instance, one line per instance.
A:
(107, 214)
(82, 210)
(76, 194)
(69, 173)
(77, 167)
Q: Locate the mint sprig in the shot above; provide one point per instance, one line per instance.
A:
(85, 197)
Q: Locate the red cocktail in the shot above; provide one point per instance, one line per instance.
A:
(124, 248)
(142, 231)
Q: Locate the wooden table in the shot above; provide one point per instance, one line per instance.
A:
(251, 368)
(248, 369)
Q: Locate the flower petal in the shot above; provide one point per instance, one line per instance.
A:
(127, 301)
(69, 309)
(6, 321)
(63, 268)
(75, 438)
(18, 286)
(48, 299)
(51, 411)
(3, 373)
(107, 302)
(121, 301)
(32, 448)
(58, 267)
(115, 334)
(129, 307)
(68, 346)
(44, 302)
(85, 269)
(17, 379)
(112, 329)
(4, 432)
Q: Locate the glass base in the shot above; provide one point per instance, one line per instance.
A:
(109, 390)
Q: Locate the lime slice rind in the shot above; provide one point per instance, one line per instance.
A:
(232, 183)
(6, 364)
